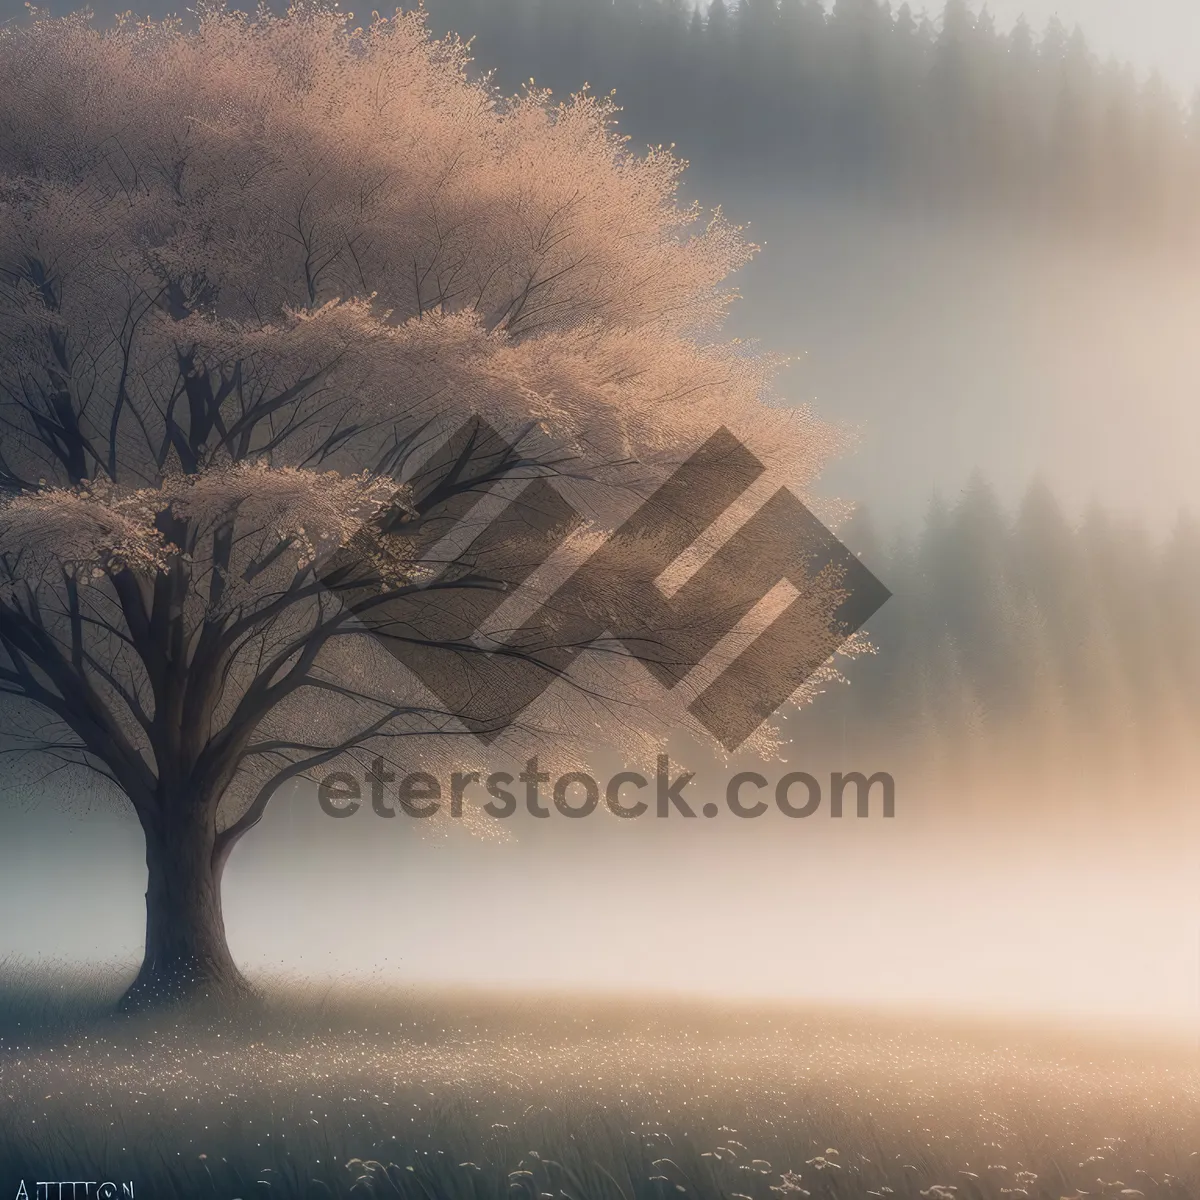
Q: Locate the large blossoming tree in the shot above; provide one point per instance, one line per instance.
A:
(254, 272)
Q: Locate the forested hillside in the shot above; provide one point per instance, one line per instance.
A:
(1025, 642)
(870, 98)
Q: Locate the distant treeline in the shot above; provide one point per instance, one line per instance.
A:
(1021, 642)
(868, 99)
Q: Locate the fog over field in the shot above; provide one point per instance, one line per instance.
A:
(1093, 918)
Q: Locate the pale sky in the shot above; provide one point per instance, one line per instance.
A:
(1149, 33)
(1162, 34)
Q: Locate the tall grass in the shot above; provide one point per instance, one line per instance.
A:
(426, 1096)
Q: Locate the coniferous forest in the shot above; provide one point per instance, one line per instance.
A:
(1023, 644)
(869, 98)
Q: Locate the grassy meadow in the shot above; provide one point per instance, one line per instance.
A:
(388, 1092)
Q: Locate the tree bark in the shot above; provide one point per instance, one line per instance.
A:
(187, 958)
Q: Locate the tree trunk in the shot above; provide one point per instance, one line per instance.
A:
(187, 959)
